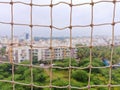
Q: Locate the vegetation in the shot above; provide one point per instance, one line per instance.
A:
(60, 77)
(2, 51)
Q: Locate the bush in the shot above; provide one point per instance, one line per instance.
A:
(80, 75)
(39, 75)
(60, 82)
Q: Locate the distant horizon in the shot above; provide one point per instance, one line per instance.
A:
(46, 37)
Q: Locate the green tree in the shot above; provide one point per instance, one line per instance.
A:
(83, 52)
(5, 70)
(39, 76)
(3, 51)
(35, 60)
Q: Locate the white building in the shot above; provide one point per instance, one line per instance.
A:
(24, 53)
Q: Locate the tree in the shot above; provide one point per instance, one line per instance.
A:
(5, 70)
(39, 76)
(3, 51)
(35, 60)
(83, 52)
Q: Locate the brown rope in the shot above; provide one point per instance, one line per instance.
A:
(51, 48)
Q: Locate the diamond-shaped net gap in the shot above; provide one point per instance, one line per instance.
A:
(50, 48)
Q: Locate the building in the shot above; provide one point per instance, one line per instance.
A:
(23, 53)
(58, 53)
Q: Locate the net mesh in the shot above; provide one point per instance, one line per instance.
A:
(51, 27)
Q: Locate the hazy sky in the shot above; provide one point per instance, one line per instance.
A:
(81, 15)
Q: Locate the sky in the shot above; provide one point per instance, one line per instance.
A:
(81, 15)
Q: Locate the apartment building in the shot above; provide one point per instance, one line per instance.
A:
(58, 53)
(25, 53)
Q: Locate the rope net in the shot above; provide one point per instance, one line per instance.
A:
(51, 69)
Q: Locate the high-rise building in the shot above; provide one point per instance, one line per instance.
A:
(27, 36)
